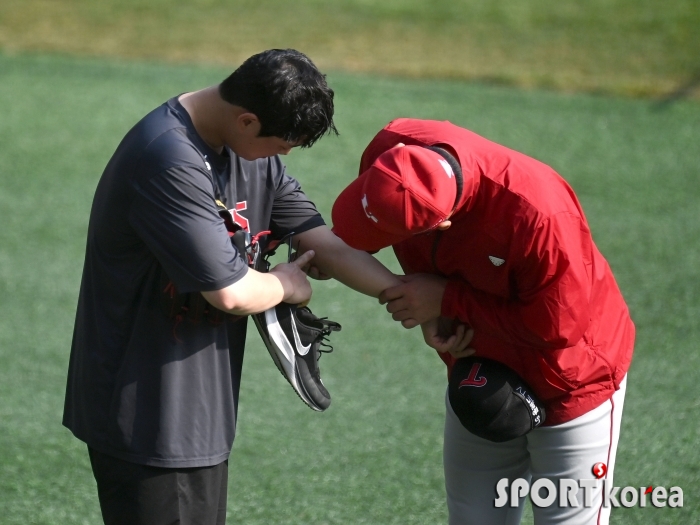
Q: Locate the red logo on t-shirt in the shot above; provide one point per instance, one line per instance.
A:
(237, 217)
(471, 379)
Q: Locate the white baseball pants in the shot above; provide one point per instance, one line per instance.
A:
(474, 466)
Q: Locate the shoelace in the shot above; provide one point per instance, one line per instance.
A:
(323, 338)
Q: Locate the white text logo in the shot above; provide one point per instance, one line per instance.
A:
(571, 493)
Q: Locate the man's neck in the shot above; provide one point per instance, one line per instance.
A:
(205, 108)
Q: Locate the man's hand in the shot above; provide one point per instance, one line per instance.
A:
(309, 269)
(293, 278)
(439, 334)
(417, 300)
(258, 291)
(312, 271)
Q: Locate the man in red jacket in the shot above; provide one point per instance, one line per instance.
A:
(495, 245)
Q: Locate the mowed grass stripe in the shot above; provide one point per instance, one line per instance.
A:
(633, 47)
(375, 456)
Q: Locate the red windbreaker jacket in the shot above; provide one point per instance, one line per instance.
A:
(523, 271)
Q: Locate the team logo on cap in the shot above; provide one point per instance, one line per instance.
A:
(365, 205)
(471, 379)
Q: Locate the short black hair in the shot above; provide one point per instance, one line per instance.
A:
(288, 94)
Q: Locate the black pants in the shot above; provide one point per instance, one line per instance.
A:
(132, 494)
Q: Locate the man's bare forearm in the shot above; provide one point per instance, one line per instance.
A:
(355, 269)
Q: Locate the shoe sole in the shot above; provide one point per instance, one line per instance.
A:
(283, 355)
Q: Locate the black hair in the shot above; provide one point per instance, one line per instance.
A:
(288, 94)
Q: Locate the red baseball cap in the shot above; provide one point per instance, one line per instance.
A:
(406, 191)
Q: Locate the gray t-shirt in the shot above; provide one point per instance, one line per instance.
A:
(142, 386)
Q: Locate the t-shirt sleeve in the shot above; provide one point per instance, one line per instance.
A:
(175, 215)
(292, 210)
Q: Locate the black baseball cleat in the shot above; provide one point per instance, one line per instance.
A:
(296, 338)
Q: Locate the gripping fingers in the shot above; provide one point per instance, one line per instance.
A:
(304, 259)
(463, 353)
(391, 294)
(409, 323)
(468, 335)
(405, 318)
(396, 305)
(463, 337)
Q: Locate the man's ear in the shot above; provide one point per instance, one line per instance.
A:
(248, 124)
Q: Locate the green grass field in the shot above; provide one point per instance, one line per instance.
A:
(632, 47)
(375, 456)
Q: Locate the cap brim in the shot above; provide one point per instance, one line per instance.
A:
(354, 226)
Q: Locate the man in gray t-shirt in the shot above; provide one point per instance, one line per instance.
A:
(153, 395)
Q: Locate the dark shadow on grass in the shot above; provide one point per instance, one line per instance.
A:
(681, 92)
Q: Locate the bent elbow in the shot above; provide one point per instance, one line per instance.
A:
(223, 300)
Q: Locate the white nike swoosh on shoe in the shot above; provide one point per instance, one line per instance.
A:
(281, 351)
(280, 341)
(302, 350)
